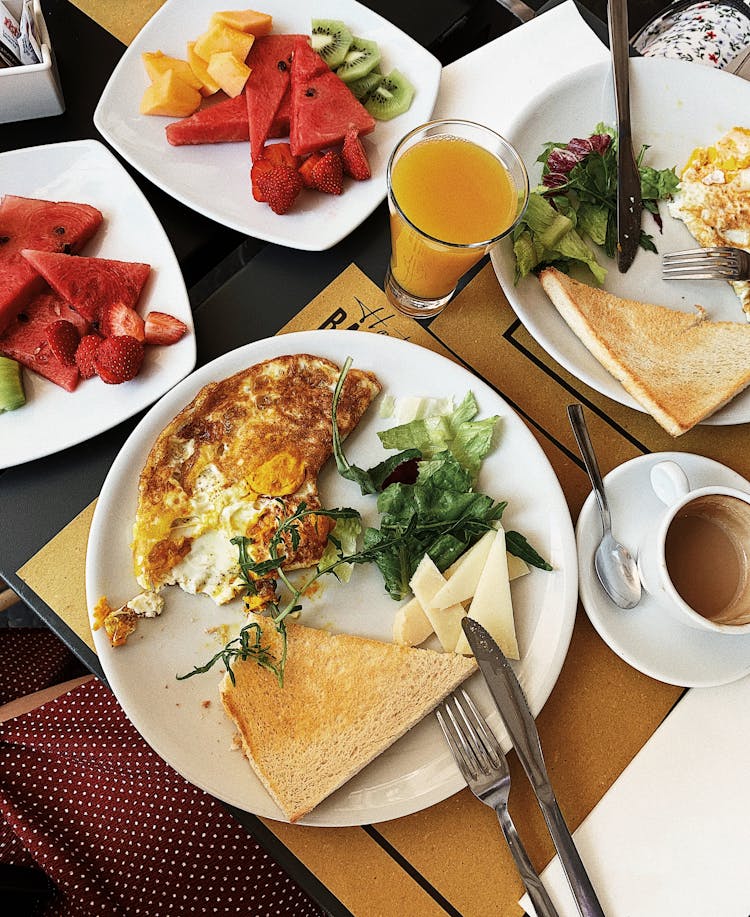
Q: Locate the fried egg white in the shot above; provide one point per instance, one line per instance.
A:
(713, 199)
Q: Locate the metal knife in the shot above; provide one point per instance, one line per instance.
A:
(629, 203)
(514, 710)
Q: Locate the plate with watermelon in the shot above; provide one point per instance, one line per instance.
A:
(95, 321)
(291, 97)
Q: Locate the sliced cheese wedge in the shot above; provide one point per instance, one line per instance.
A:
(516, 567)
(492, 606)
(446, 622)
(411, 626)
(463, 578)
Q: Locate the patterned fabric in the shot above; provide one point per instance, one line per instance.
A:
(117, 830)
(709, 33)
(30, 659)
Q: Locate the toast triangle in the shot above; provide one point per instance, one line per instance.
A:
(679, 366)
(345, 699)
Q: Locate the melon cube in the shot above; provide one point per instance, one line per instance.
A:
(171, 96)
(220, 37)
(208, 84)
(245, 21)
(229, 72)
(157, 63)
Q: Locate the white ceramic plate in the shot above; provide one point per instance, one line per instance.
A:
(86, 172)
(418, 770)
(214, 179)
(649, 637)
(676, 106)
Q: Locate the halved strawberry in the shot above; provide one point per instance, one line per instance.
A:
(305, 170)
(354, 157)
(280, 187)
(118, 359)
(328, 174)
(162, 328)
(280, 154)
(260, 167)
(117, 320)
(85, 354)
(63, 338)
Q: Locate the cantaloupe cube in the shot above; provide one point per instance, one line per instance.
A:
(245, 21)
(169, 95)
(229, 72)
(208, 84)
(220, 37)
(157, 63)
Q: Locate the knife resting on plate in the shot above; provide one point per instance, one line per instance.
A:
(514, 711)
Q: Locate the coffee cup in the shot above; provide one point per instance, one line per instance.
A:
(695, 560)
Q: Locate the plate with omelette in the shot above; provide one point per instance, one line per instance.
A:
(234, 448)
(693, 119)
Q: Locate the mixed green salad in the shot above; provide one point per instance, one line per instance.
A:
(576, 204)
(427, 504)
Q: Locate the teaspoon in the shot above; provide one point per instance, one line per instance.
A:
(614, 564)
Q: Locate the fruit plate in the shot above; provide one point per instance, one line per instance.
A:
(86, 172)
(214, 179)
(196, 739)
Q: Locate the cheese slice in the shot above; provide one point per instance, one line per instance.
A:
(516, 567)
(492, 606)
(463, 579)
(446, 622)
(411, 626)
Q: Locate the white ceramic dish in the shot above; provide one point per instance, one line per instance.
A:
(419, 770)
(214, 179)
(648, 637)
(85, 171)
(676, 106)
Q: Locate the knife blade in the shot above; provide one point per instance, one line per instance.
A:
(629, 203)
(514, 711)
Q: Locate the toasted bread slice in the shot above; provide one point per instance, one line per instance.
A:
(344, 700)
(679, 365)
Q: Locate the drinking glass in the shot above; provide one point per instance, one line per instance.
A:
(454, 189)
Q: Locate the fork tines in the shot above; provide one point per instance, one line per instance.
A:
(719, 263)
(474, 746)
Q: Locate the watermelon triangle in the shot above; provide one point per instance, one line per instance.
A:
(89, 284)
(270, 63)
(43, 225)
(224, 122)
(25, 339)
(324, 109)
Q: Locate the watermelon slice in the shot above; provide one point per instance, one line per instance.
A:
(323, 107)
(25, 340)
(89, 284)
(280, 125)
(225, 122)
(44, 225)
(270, 63)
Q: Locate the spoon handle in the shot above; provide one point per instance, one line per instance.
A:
(581, 433)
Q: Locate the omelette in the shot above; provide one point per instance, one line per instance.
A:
(713, 199)
(238, 460)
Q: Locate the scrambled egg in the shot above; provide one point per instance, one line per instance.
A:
(714, 198)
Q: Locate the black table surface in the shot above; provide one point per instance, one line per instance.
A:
(40, 498)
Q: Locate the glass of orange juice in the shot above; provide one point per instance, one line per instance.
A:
(454, 189)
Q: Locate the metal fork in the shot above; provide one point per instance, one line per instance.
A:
(720, 263)
(482, 763)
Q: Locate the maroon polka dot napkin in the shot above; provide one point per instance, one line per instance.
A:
(117, 830)
(30, 659)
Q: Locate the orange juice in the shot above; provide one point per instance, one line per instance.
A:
(456, 192)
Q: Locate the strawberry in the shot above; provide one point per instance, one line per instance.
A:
(280, 187)
(307, 166)
(280, 154)
(260, 167)
(162, 328)
(354, 157)
(85, 355)
(63, 338)
(118, 359)
(328, 174)
(117, 320)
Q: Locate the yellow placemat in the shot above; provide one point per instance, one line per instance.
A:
(124, 20)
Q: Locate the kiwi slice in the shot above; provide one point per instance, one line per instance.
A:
(362, 57)
(365, 85)
(11, 385)
(331, 39)
(392, 96)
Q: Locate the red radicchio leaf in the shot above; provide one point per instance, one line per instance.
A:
(405, 473)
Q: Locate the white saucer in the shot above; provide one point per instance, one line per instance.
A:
(648, 637)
